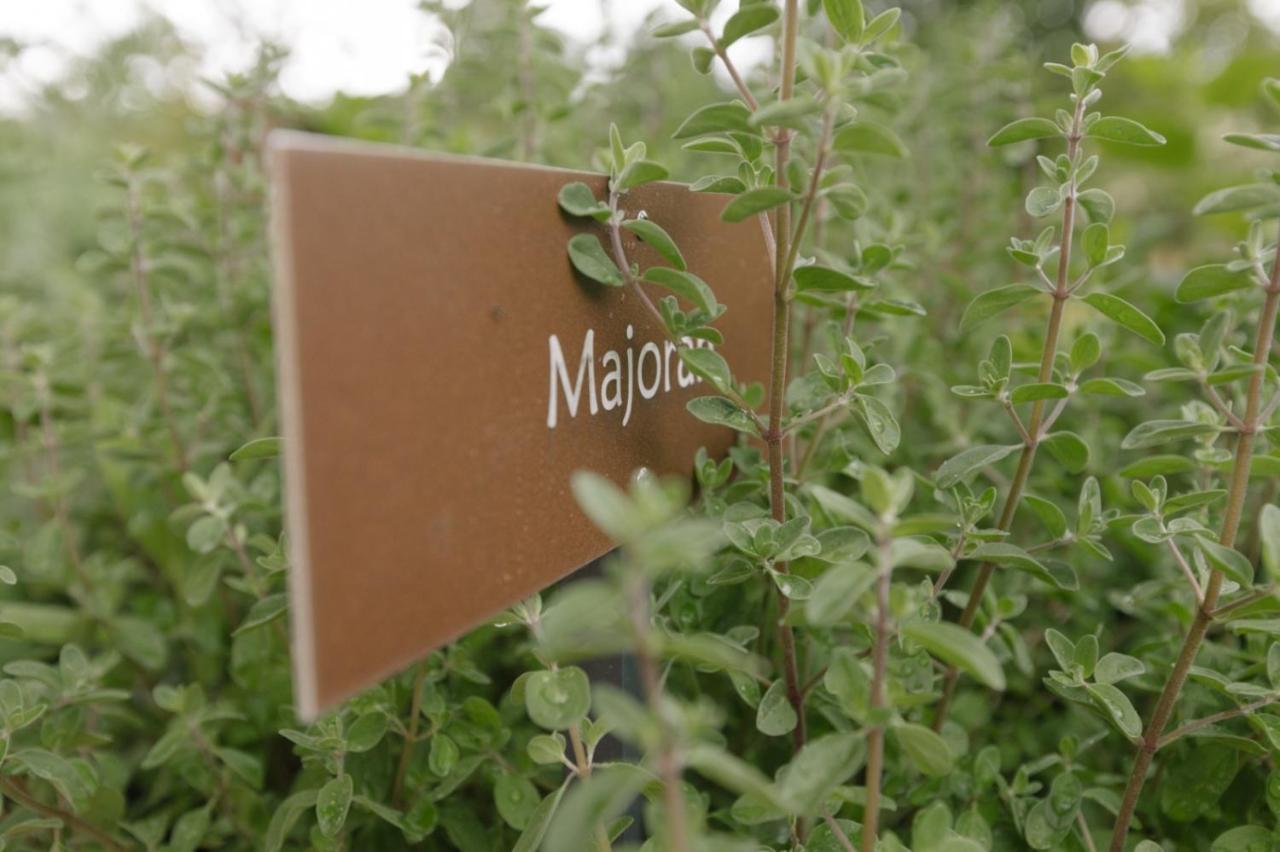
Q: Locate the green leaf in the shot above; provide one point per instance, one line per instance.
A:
(827, 280)
(708, 364)
(676, 28)
(206, 533)
(1230, 562)
(1269, 533)
(1244, 838)
(1235, 198)
(539, 820)
(958, 647)
(285, 817)
(820, 766)
(557, 700)
(1111, 387)
(1195, 780)
(332, 805)
(1155, 432)
(640, 172)
(603, 502)
(1085, 352)
(997, 301)
(1011, 556)
(1258, 141)
(846, 16)
(754, 201)
(715, 118)
(788, 113)
(1097, 239)
(959, 467)
(735, 774)
(1048, 513)
(1043, 200)
(366, 732)
(653, 234)
(258, 448)
(881, 24)
(54, 768)
(1205, 282)
(925, 749)
(836, 592)
(1114, 667)
(747, 20)
(1037, 391)
(1069, 449)
(263, 612)
(1117, 708)
(865, 137)
(247, 767)
(589, 258)
(1098, 204)
(721, 412)
(775, 716)
(1114, 128)
(516, 800)
(1126, 315)
(577, 199)
(1022, 130)
(686, 285)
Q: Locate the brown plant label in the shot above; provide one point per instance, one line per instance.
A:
(442, 372)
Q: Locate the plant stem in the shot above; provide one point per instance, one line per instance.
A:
(60, 508)
(837, 832)
(879, 660)
(411, 736)
(637, 287)
(721, 52)
(1061, 294)
(779, 356)
(154, 348)
(1186, 570)
(226, 266)
(1084, 832)
(1192, 727)
(14, 789)
(668, 758)
(1236, 496)
(1253, 597)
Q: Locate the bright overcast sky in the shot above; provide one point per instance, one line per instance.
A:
(370, 46)
(366, 47)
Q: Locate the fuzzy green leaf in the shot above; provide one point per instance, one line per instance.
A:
(1234, 564)
(686, 285)
(653, 234)
(997, 301)
(755, 201)
(958, 647)
(1114, 128)
(962, 465)
(715, 118)
(1126, 315)
(748, 20)
(1205, 282)
(589, 258)
(865, 137)
(1022, 130)
(827, 280)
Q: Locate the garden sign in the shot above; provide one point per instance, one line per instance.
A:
(443, 371)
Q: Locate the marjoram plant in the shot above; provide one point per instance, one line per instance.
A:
(896, 615)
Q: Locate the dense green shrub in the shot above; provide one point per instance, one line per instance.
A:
(986, 571)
